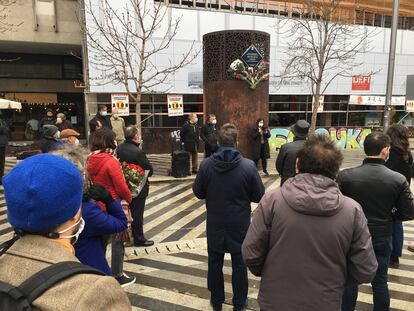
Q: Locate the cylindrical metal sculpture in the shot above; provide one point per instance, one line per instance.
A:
(230, 99)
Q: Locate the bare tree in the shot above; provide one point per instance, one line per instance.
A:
(122, 44)
(5, 25)
(323, 47)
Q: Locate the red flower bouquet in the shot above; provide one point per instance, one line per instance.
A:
(135, 177)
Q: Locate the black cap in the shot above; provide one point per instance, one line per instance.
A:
(301, 128)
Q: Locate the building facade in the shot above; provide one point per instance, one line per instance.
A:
(40, 62)
(288, 101)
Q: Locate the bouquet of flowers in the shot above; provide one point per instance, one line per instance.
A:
(252, 75)
(135, 177)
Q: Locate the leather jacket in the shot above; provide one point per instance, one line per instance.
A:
(383, 194)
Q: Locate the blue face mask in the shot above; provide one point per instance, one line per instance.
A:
(195, 120)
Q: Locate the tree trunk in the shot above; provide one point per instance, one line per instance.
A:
(138, 111)
(315, 109)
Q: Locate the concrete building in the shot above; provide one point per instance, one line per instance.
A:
(40, 61)
(290, 101)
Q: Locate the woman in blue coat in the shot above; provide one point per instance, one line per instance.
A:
(98, 224)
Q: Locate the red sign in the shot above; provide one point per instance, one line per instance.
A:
(361, 83)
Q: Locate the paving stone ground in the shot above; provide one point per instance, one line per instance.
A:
(172, 275)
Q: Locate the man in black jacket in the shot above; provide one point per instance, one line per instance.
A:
(131, 153)
(102, 117)
(229, 183)
(209, 135)
(286, 159)
(189, 136)
(383, 195)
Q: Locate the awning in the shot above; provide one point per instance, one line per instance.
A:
(9, 104)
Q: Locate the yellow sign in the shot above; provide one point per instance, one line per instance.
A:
(175, 105)
(120, 102)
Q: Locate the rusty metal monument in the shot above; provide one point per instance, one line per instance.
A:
(233, 96)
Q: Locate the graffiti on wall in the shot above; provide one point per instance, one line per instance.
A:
(351, 138)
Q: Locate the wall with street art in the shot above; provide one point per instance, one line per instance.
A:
(344, 138)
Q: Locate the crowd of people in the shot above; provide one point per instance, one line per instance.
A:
(312, 241)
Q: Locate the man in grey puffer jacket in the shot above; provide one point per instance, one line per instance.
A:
(308, 241)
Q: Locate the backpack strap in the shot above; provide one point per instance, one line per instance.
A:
(41, 281)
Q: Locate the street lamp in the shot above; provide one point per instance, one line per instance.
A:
(391, 64)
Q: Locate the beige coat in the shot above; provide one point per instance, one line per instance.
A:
(80, 292)
(118, 127)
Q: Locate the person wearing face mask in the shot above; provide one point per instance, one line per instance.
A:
(384, 196)
(101, 118)
(50, 140)
(261, 149)
(43, 196)
(70, 136)
(89, 249)
(118, 126)
(190, 136)
(104, 169)
(209, 134)
(49, 119)
(62, 123)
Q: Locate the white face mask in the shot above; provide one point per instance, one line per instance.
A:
(261, 124)
(59, 121)
(214, 122)
(104, 113)
(76, 143)
(74, 237)
(58, 134)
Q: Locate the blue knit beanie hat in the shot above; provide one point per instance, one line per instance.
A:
(42, 192)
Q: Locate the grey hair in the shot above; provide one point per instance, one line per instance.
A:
(130, 132)
(75, 155)
(61, 115)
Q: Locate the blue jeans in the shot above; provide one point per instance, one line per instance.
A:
(397, 240)
(382, 249)
(215, 279)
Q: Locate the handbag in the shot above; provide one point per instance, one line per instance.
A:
(126, 235)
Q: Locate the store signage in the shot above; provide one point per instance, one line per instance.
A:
(252, 56)
(361, 83)
(120, 102)
(375, 100)
(175, 105)
(409, 105)
(321, 101)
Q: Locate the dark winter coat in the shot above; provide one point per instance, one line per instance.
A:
(229, 183)
(307, 241)
(46, 121)
(378, 189)
(209, 134)
(257, 144)
(286, 159)
(64, 125)
(47, 144)
(4, 133)
(397, 163)
(105, 121)
(130, 153)
(189, 136)
(89, 249)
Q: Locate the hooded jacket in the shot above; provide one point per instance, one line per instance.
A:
(307, 241)
(106, 171)
(229, 183)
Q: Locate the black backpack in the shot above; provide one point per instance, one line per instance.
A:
(21, 297)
